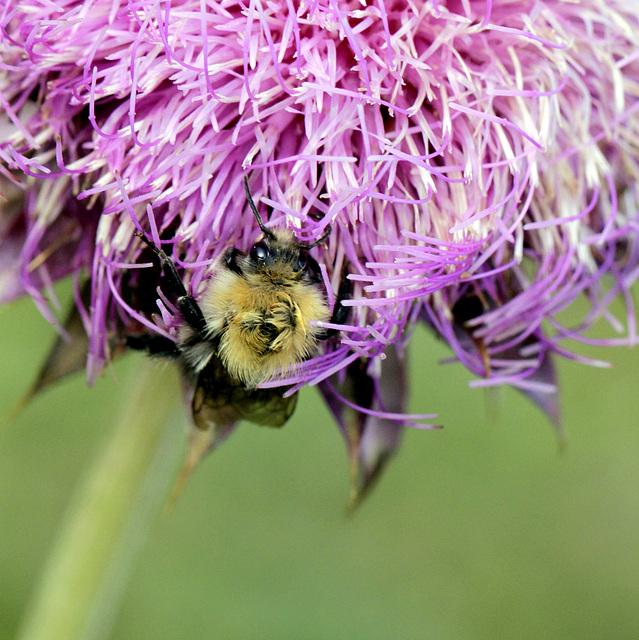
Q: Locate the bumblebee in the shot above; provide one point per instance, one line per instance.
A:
(254, 319)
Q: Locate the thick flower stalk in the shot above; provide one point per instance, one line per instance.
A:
(477, 163)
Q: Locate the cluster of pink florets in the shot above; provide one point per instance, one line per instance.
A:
(477, 161)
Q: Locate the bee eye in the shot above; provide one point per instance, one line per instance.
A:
(259, 252)
(301, 262)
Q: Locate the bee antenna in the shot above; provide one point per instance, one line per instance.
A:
(249, 197)
(317, 242)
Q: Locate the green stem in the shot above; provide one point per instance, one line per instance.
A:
(106, 522)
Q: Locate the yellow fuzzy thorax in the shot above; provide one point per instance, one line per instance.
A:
(263, 321)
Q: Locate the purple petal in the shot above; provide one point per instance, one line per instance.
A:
(482, 150)
(371, 438)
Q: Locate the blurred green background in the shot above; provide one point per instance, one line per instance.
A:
(480, 531)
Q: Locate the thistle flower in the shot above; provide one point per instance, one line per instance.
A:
(477, 163)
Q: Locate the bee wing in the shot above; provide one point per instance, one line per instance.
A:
(219, 403)
(221, 399)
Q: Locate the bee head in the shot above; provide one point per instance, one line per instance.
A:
(279, 248)
(278, 252)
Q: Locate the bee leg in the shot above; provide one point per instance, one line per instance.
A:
(174, 286)
(192, 314)
(340, 312)
(153, 344)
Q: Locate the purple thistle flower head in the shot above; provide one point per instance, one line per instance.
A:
(476, 163)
